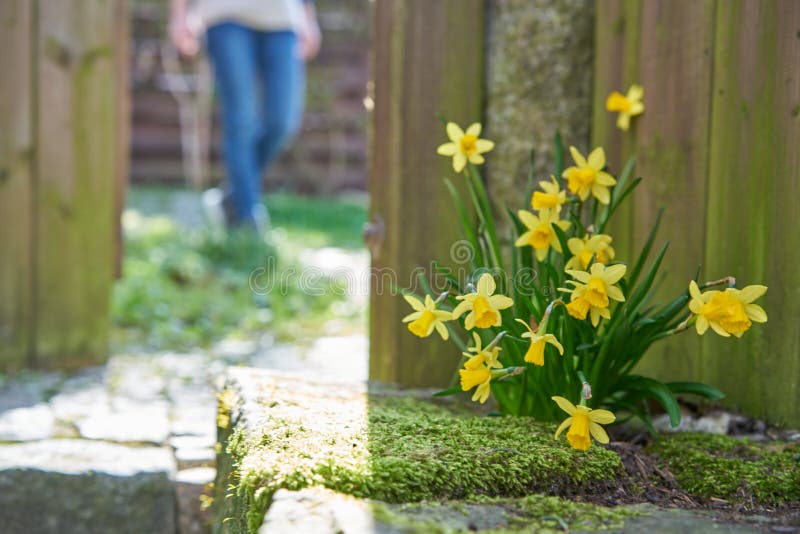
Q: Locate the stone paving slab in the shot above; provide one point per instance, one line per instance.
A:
(57, 486)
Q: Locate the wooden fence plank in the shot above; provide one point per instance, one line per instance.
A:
(753, 192)
(76, 163)
(428, 58)
(671, 145)
(122, 61)
(16, 148)
(616, 67)
(666, 47)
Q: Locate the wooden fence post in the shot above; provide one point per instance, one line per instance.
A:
(428, 58)
(60, 122)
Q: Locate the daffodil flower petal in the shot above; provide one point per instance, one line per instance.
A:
(474, 129)
(415, 302)
(751, 293)
(756, 313)
(563, 426)
(597, 158)
(485, 285)
(565, 405)
(598, 433)
(447, 149)
(577, 157)
(454, 132)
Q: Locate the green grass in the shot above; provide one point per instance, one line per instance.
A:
(182, 287)
(319, 222)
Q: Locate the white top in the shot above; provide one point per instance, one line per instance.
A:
(267, 15)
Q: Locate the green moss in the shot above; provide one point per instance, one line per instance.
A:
(406, 451)
(732, 469)
(533, 513)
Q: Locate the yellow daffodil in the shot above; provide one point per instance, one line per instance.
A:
(578, 307)
(535, 354)
(582, 422)
(582, 250)
(726, 312)
(587, 175)
(426, 317)
(540, 234)
(628, 105)
(593, 289)
(464, 146)
(478, 356)
(484, 306)
(550, 199)
(480, 377)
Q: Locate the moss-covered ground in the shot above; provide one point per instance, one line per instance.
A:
(407, 451)
(401, 450)
(733, 469)
(497, 515)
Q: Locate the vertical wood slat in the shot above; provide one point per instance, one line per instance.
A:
(428, 58)
(76, 164)
(122, 38)
(616, 67)
(671, 145)
(666, 47)
(754, 195)
(16, 184)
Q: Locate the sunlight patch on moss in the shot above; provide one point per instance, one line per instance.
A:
(407, 450)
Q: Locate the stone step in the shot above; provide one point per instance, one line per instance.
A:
(69, 485)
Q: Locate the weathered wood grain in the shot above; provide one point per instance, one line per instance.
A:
(16, 185)
(76, 152)
(753, 192)
(617, 36)
(718, 146)
(428, 58)
(671, 145)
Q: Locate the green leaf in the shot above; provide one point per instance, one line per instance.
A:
(466, 224)
(648, 387)
(622, 180)
(645, 418)
(633, 275)
(639, 294)
(562, 238)
(446, 392)
(558, 156)
(696, 388)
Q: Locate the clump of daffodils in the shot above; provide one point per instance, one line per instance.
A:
(568, 314)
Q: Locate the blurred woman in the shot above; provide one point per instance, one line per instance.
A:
(258, 49)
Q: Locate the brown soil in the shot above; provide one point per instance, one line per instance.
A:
(650, 482)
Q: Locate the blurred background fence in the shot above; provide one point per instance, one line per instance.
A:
(329, 155)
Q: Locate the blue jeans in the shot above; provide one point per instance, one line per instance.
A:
(261, 83)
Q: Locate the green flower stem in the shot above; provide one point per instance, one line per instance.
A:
(485, 212)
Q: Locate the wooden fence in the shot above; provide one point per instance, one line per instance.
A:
(718, 147)
(62, 140)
